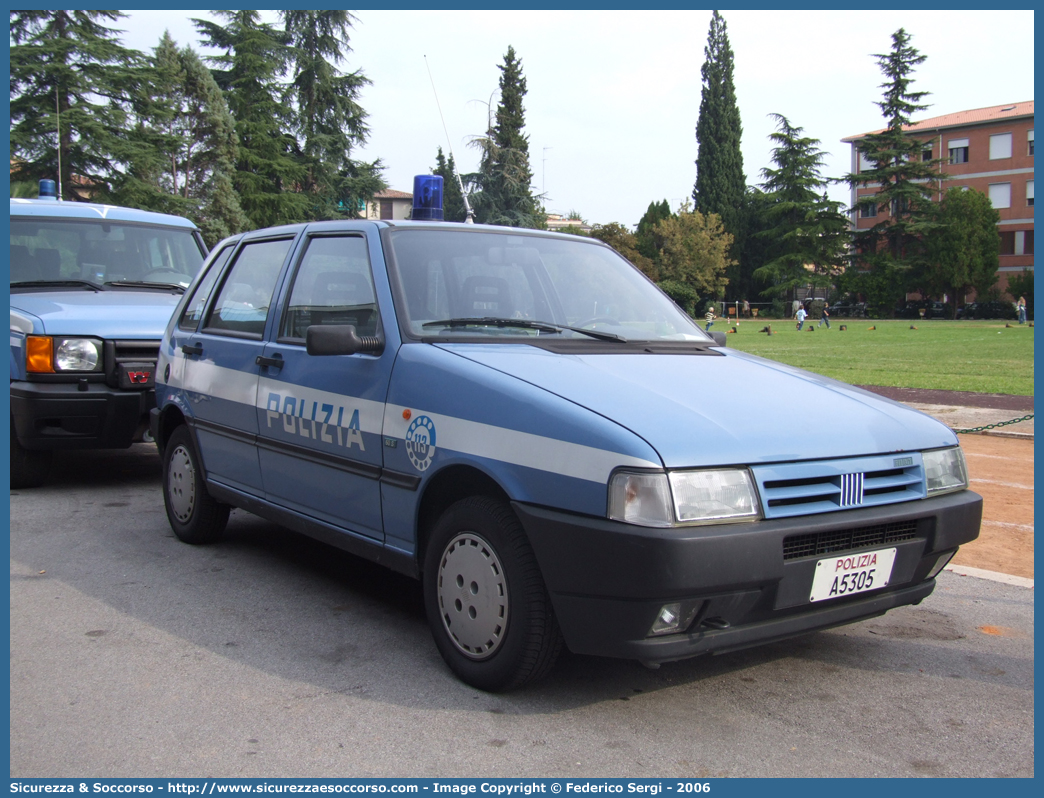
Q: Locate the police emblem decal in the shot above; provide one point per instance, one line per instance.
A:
(420, 442)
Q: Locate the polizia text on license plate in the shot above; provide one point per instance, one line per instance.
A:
(846, 574)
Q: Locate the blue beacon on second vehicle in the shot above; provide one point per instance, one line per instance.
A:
(522, 420)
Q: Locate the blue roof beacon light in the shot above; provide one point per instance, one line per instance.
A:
(48, 190)
(427, 198)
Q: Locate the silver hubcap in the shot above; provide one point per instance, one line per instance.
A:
(181, 484)
(473, 596)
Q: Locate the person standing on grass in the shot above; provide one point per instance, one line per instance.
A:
(801, 315)
(824, 318)
(1021, 307)
(709, 316)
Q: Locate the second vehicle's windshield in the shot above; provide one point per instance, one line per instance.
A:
(102, 253)
(459, 282)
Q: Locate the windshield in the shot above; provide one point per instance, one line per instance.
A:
(496, 284)
(102, 253)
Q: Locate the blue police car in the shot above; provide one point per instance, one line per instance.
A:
(527, 424)
(92, 289)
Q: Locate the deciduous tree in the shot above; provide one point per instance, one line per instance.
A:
(963, 252)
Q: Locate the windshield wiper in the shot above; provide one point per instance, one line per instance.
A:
(145, 284)
(542, 326)
(56, 283)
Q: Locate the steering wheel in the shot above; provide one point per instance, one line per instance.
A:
(597, 320)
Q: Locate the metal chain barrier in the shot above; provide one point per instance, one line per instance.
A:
(993, 426)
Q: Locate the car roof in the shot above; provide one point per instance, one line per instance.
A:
(90, 210)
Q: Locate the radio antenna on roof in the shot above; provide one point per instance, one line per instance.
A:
(456, 174)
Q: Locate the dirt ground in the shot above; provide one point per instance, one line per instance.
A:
(1001, 471)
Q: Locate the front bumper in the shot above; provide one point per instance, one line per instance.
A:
(608, 580)
(56, 415)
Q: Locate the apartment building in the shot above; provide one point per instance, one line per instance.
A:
(988, 149)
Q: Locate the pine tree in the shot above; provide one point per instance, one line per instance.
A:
(906, 184)
(328, 120)
(270, 169)
(804, 228)
(720, 182)
(67, 62)
(505, 176)
(453, 209)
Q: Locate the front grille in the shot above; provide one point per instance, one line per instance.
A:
(119, 353)
(791, 489)
(818, 544)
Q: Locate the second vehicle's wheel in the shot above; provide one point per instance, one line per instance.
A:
(194, 515)
(29, 467)
(486, 602)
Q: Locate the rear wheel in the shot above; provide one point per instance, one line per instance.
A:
(486, 602)
(29, 467)
(194, 515)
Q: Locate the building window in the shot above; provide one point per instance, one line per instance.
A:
(1027, 248)
(387, 209)
(865, 164)
(1029, 193)
(868, 211)
(1029, 142)
(926, 153)
(1000, 195)
(1007, 243)
(958, 150)
(1000, 146)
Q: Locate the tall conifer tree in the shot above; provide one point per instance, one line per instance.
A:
(68, 70)
(453, 209)
(905, 182)
(505, 176)
(720, 182)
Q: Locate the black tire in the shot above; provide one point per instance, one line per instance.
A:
(486, 602)
(29, 467)
(193, 514)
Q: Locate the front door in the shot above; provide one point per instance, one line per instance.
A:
(320, 418)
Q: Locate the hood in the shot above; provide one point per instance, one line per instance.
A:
(728, 409)
(119, 313)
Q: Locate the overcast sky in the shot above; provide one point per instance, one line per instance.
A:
(614, 95)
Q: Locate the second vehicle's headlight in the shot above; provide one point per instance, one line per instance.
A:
(706, 496)
(683, 497)
(77, 354)
(945, 470)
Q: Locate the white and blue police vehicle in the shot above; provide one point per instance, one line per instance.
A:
(526, 423)
(92, 289)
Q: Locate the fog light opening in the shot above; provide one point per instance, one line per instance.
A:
(940, 564)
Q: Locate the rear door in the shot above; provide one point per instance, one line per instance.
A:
(219, 370)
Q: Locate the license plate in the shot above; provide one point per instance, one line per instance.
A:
(846, 574)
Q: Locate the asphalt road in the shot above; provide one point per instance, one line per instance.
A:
(270, 655)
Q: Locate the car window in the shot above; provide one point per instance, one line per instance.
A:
(194, 309)
(102, 252)
(333, 285)
(245, 298)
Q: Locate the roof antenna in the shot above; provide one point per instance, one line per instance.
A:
(58, 127)
(463, 194)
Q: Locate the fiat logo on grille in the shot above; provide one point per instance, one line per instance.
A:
(851, 489)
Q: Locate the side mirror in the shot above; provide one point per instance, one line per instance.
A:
(340, 339)
(719, 338)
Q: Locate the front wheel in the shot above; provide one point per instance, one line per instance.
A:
(486, 602)
(194, 515)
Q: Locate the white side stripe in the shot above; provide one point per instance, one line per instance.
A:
(517, 448)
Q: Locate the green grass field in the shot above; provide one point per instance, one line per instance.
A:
(983, 356)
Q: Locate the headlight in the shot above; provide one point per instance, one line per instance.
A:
(683, 497)
(705, 496)
(46, 355)
(945, 470)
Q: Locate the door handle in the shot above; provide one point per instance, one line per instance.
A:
(274, 362)
(192, 349)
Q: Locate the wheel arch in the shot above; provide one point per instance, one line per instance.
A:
(444, 489)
